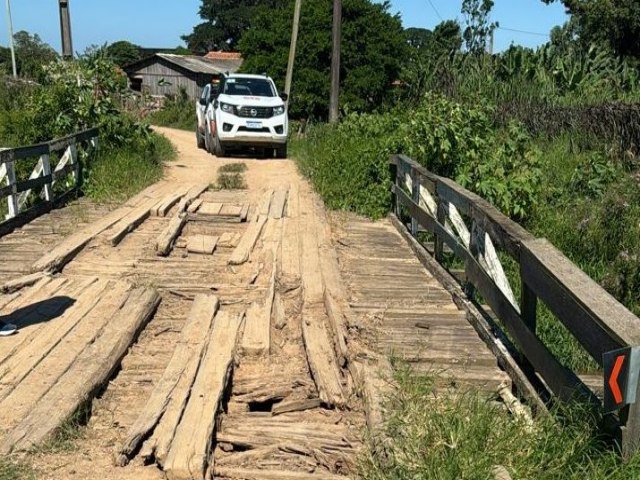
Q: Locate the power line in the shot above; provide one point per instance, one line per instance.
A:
(546, 35)
(436, 10)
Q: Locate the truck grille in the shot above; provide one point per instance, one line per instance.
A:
(254, 112)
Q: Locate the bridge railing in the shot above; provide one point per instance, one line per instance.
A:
(475, 231)
(17, 190)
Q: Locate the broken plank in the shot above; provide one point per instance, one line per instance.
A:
(241, 254)
(262, 474)
(278, 202)
(188, 349)
(193, 208)
(130, 222)
(322, 357)
(209, 208)
(244, 213)
(256, 339)
(296, 406)
(229, 240)
(167, 237)
(91, 369)
(189, 453)
(338, 327)
(265, 203)
(17, 284)
(204, 244)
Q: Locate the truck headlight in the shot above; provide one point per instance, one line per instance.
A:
(278, 110)
(227, 108)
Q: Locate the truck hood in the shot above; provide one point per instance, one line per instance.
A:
(241, 100)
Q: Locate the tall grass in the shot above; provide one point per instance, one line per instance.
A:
(437, 435)
(12, 470)
(116, 175)
(179, 112)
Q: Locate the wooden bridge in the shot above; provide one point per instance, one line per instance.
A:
(246, 334)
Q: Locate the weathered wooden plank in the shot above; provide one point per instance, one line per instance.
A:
(256, 339)
(241, 254)
(91, 369)
(192, 194)
(189, 350)
(244, 213)
(130, 222)
(163, 207)
(230, 210)
(262, 474)
(278, 202)
(592, 315)
(193, 208)
(22, 282)
(296, 406)
(208, 208)
(189, 453)
(204, 244)
(164, 243)
(265, 203)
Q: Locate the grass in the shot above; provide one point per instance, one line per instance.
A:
(14, 470)
(231, 181)
(179, 113)
(233, 168)
(118, 175)
(441, 436)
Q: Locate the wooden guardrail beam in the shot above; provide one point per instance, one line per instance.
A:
(597, 320)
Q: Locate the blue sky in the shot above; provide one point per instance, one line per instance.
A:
(159, 23)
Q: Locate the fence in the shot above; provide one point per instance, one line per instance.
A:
(17, 191)
(475, 232)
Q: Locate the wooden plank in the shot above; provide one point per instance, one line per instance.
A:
(192, 194)
(189, 453)
(193, 208)
(22, 282)
(278, 202)
(208, 208)
(262, 474)
(230, 210)
(189, 349)
(34, 370)
(163, 207)
(256, 339)
(265, 203)
(244, 213)
(62, 254)
(92, 368)
(592, 315)
(241, 254)
(296, 406)
(203, 244)
(164, 243)
(130, 222)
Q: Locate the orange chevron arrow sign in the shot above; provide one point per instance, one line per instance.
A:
(621, 371)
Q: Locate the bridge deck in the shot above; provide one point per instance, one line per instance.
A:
(412, 317)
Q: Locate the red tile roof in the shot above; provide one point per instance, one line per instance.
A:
(224, 55)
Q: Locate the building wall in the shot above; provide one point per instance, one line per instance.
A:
(161, 79)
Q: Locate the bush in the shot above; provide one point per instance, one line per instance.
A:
(178, 112)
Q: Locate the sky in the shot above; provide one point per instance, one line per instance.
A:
(159, 24)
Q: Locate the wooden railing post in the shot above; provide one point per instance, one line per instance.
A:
(74, 161)
(46, 170)
(415, 196)
(12, 199)
(393, 171)
(441, 216)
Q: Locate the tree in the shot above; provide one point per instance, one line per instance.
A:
(225, 21)
(32, 54)
(613, 22)
(373, 49)
(479, 28)
(123, 53)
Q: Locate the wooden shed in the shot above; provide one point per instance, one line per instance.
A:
(166, 74)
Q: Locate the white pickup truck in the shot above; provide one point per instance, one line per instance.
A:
(243, 111)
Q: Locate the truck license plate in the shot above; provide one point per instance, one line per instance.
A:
(254, 125)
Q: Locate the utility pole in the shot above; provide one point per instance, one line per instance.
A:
(13, 51)
(65, 29)
(292, 50)
(334, 104)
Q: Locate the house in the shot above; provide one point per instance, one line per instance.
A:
(166, 74)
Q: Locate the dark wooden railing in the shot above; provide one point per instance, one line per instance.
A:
(475, 231)
(17, 190)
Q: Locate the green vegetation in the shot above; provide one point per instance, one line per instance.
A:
(178, 112)
(233, 168)
(123, 53)
(230, 181)
(75, 96)
(433, 435)
(11, 470)
(32, 54)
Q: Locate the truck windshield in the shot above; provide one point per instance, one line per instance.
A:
(256, 87)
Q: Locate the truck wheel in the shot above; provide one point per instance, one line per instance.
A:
(218, 149)
(199, 139)
(281, 152)
(207, 142)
